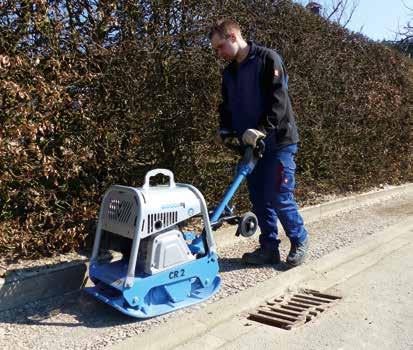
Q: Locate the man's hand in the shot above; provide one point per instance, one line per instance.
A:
(251, 136)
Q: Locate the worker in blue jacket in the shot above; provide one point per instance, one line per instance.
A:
(256, 105)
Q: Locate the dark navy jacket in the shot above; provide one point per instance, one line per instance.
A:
(255, 96)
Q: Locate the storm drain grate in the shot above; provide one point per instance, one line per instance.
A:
(291, 311)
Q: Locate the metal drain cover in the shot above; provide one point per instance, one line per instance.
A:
(290, 311)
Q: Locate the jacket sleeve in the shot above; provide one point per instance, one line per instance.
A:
(225, 118)
(274, 83)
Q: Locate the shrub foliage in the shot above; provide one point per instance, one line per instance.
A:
(95, 92)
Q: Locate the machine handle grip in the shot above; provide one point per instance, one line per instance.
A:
(155, 172)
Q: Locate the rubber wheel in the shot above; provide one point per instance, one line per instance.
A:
(248, 225)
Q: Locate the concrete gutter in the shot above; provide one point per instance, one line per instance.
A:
(18, 289)
(197, 328)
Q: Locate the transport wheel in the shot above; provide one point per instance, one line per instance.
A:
(248, 225)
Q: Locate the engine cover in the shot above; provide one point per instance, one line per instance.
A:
(166, 250)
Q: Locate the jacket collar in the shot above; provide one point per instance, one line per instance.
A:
(252, 52)
(233, 66)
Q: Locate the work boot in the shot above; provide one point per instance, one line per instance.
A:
(262, 257)
(298, 253)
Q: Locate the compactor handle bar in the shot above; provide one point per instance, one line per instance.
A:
(245, 167)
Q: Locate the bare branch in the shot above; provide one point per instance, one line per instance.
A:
(341, 11)
(405, 35)
(409, 8)
(335, 9)
(350, 15)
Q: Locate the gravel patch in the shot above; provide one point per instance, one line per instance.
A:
(77, 321)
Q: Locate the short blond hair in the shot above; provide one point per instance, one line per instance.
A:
(223, 27)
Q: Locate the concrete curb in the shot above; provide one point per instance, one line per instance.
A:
(226, 236)
(338, 265)
(56, 280)
(29, 285)
(69, 277)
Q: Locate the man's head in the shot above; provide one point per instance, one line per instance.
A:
(226, 39)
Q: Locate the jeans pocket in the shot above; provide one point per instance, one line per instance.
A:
(287, 176)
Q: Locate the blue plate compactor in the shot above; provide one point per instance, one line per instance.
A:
(166, 268)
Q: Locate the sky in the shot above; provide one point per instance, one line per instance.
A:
(377, 19)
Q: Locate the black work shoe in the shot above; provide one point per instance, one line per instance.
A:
(298, 253)
(262, 257)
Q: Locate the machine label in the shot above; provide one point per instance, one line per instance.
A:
(172, 205)
(177, 273)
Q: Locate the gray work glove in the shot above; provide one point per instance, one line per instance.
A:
(251, 136)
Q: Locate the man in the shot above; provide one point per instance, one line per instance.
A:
(256, 105)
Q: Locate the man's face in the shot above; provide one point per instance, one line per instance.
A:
(225, 47)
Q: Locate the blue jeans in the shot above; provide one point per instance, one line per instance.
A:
(271, 188)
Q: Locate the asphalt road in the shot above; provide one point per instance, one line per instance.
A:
(376, 312)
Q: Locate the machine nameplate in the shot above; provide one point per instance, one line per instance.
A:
(177, 273)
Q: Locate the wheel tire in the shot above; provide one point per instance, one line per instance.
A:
(248, 225)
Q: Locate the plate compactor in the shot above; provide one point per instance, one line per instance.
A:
(164, 268)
